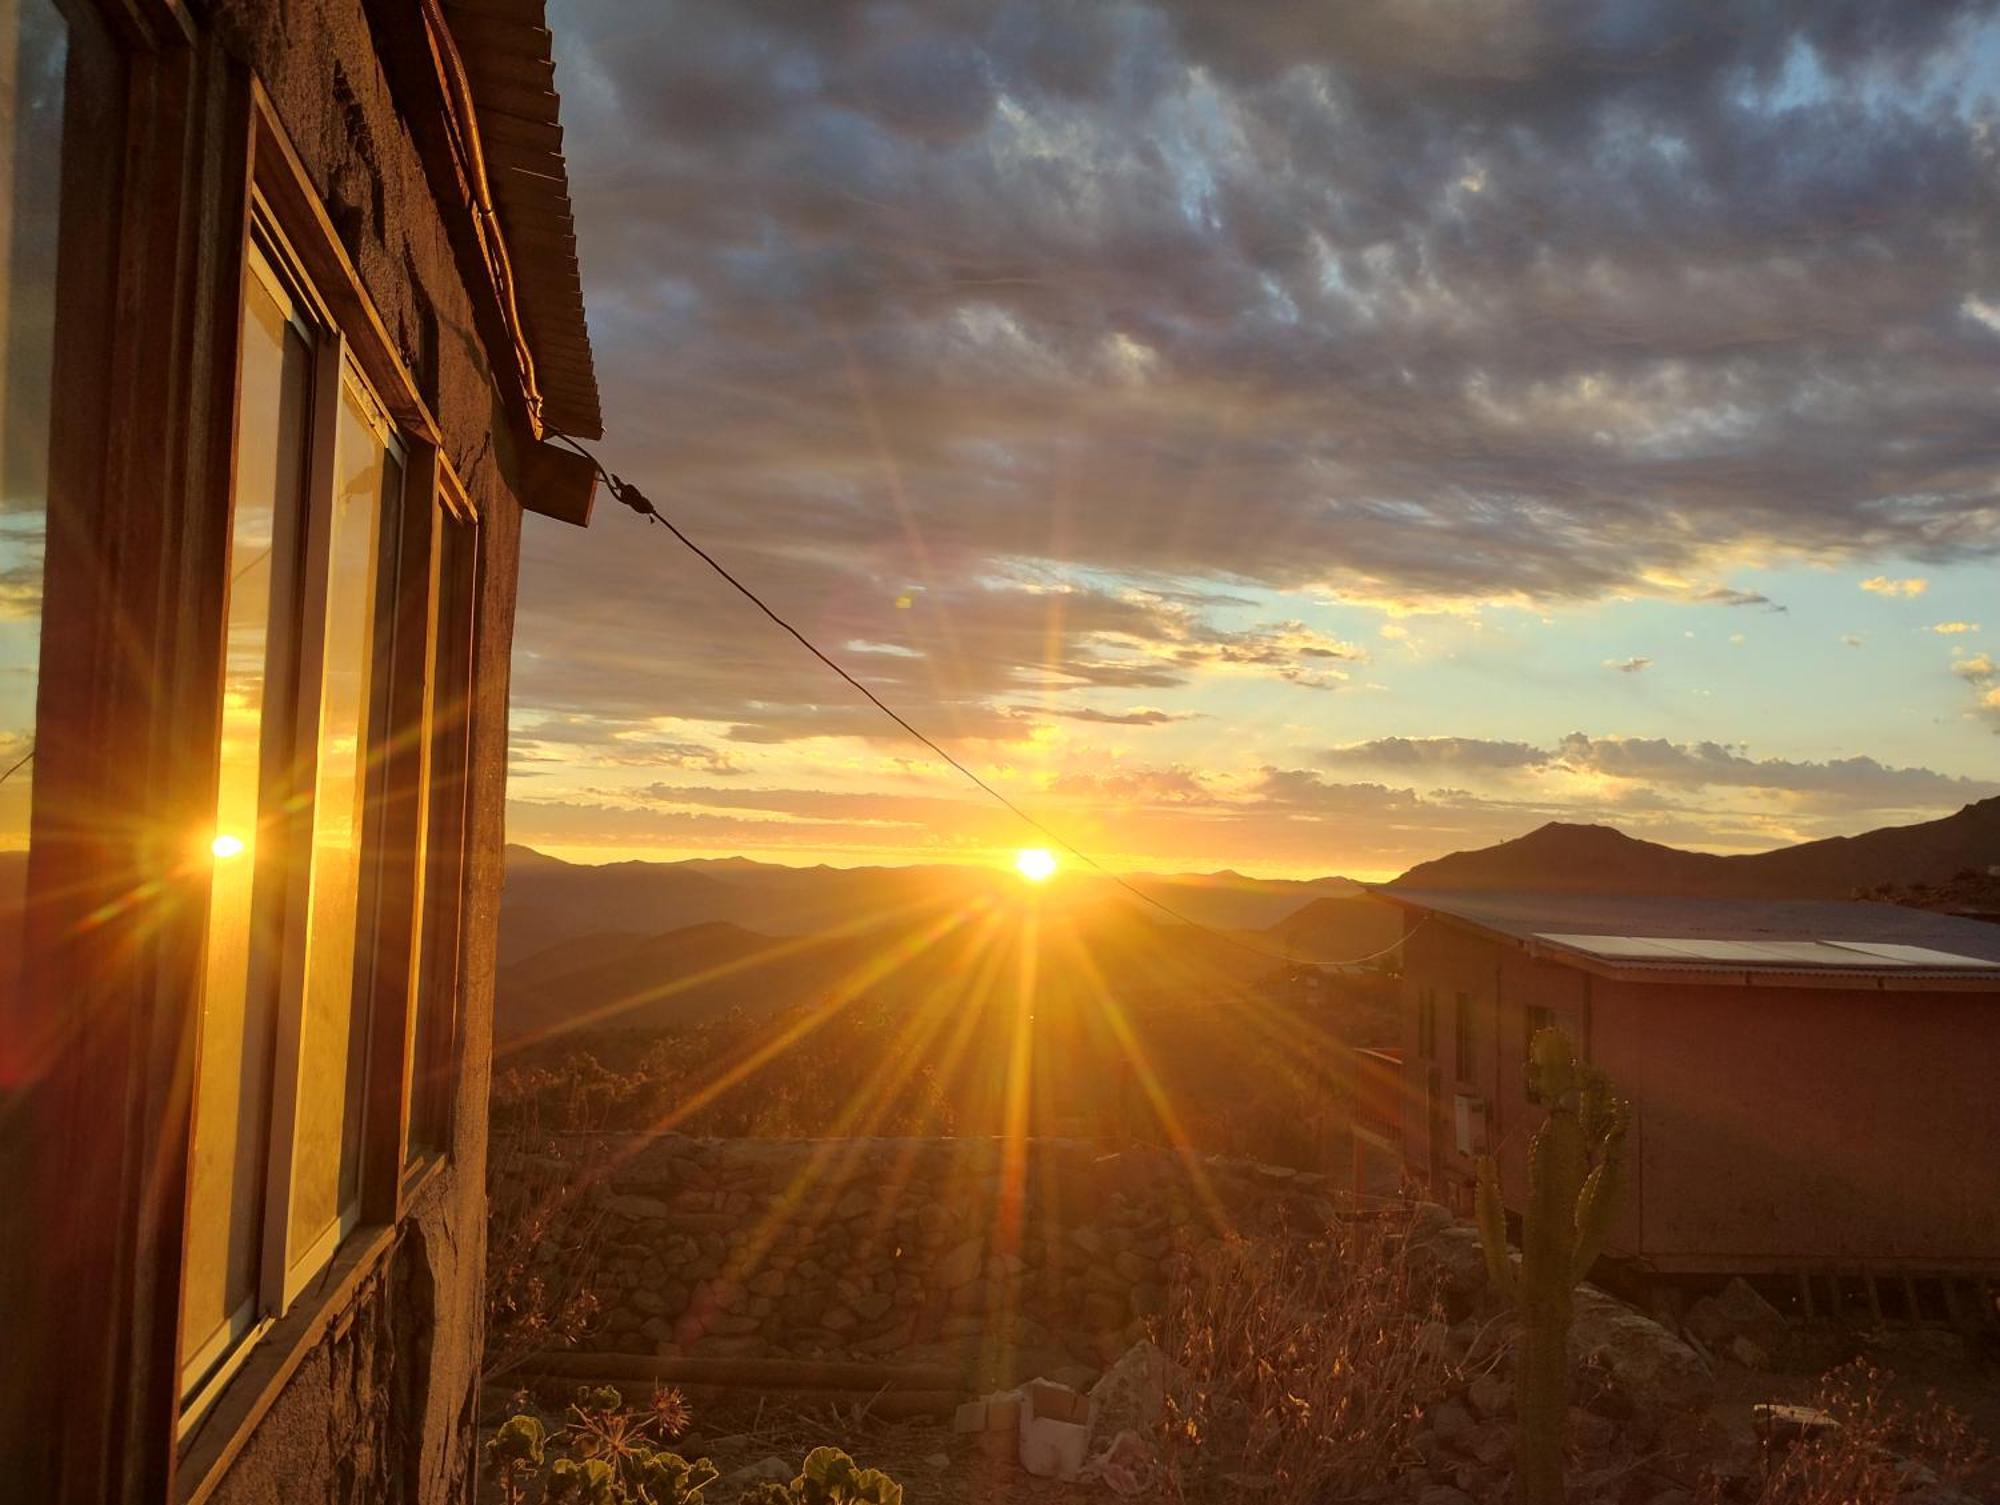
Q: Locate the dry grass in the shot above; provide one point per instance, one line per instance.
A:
(1308, 1362)
(1879, 1447)
(543, 1243)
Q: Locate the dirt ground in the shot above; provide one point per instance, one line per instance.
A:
(937, 1467)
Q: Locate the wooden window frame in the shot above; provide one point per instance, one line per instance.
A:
(401, 887)
(1464, 1036)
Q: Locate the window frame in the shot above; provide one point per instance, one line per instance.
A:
(1464, 1036)
(286, 224)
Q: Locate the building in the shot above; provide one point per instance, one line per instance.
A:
(289, 310)
(1812, 1082)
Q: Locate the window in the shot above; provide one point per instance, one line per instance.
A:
(239, 1006)
(304, 846)
(33, 50)
(1427, 1023)
(1465, 1044)
(1537, 1019)
(433, 1046)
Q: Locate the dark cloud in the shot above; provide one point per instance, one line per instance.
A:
(1723, 595)
(927, 302)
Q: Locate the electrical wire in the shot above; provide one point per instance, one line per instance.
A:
(629, 495)
(26, 758)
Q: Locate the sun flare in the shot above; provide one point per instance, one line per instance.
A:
(1036, 864)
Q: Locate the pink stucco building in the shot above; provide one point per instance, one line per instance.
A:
(1813, 1083)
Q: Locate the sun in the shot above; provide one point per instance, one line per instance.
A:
(1036, 864)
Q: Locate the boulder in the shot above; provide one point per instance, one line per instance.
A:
(1648, 1371)
(1737, 1311)
(1131, 1395)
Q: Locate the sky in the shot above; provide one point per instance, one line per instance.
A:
(1304, 439)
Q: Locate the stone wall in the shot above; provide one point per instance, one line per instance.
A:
(1036, 1257)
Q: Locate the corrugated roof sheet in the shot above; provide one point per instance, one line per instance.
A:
(506, 49)
(1730, 935)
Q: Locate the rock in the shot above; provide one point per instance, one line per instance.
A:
(1451, 1421)
(1782, 1424)
(636, 1207)
(853, 1205)
(1737, 1311)
(1489, 1396)
(1492, 1445)
(1443, 1494)
(1452, 1257)
(1750, 1355)
(773, 1468)
(961, 1266)
(938, 1462)
(1132, 1393)
(1250, 1484)
(1645, 1367)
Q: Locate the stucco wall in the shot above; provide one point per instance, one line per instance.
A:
(382, 1408)
(1786, 1125)
(1774, 1126)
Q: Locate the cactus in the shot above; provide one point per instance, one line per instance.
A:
(1576, 1178)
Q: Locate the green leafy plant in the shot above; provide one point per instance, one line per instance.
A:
(616, 1454)
(1576, 1178)
(828, 1477)
(514, 1453)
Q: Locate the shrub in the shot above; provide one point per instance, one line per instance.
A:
(1309, 1362)
(1876, 1448)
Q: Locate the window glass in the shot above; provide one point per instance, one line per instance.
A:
(367, 485)
(233, 1085)
(32, 54)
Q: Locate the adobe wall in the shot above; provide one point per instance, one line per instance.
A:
(924, 1250)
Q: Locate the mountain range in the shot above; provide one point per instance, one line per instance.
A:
(1560, 858)
(646, 943)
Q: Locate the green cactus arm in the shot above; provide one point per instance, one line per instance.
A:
(1491, 1217)
(1557, 1163)
(1596, 1208)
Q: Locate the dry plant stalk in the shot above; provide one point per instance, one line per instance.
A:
(543, 1243)
(1308, 1361)
(1871, 1452)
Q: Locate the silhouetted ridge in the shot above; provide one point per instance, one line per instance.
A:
(1564, 858)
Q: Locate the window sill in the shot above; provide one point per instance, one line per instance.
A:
(219, 1436)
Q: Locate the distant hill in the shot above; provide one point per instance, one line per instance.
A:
(1562, 858)
(1338, 929)
(547, 900)
(975, 954)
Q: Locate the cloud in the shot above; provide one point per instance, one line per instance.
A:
(1908, 586)
(1723, 595)
(868, 294)
(1860, 782)
(1952, 629)
(1638, 663)
(1436, 755)
(1977, 667)
(1852, 639)
(1137, 716)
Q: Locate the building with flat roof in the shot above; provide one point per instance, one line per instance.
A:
(1812, 1082)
